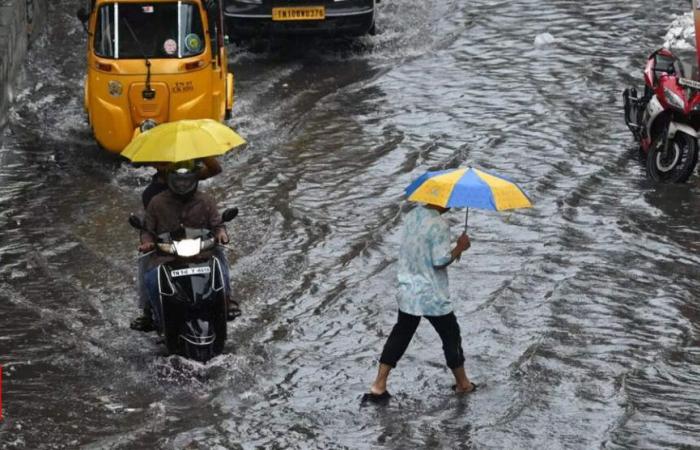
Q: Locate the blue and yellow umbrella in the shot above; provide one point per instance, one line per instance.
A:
(467, 188)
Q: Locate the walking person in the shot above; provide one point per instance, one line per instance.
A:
(423, 291)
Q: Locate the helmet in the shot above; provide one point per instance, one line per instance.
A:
(183, 180)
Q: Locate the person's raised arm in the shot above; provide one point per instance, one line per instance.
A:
(148, 240)
(217, 226)
(463, 243)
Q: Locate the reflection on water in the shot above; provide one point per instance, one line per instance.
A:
(579, 317)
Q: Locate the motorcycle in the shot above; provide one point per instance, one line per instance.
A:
(191, 309)
(665, 121)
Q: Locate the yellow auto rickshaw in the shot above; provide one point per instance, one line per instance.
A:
(150, 62)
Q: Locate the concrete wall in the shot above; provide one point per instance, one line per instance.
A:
(20, 23)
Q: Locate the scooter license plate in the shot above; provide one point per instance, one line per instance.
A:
(190, 271)
(299, 13)
(689, 83)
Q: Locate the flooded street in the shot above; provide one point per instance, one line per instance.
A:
(580, 317)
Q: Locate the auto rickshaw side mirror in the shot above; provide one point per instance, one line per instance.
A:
(82, 15)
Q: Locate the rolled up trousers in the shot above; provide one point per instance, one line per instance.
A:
(406, 325)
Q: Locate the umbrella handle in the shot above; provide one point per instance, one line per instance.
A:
(466, 222)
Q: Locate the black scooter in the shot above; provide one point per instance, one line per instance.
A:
(192, 305)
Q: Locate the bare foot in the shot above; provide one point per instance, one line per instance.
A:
(471, 387)
(377, 390)
(377, 399)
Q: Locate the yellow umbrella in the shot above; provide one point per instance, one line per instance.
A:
(182, 140)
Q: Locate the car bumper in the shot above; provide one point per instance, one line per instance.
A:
(351, 17)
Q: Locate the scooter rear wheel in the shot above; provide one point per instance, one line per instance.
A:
(676, 163)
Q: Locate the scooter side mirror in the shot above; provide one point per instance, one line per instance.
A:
(135, 221)
(82, 15)
(229, 214)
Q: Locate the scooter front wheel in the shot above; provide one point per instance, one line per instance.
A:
(672, 163)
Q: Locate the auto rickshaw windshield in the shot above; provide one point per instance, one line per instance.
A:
(150, 30)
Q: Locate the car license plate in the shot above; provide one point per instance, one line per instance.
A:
(689, 83)
(299, 13)
(190, 271)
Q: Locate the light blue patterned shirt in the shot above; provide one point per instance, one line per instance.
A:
(423, 289)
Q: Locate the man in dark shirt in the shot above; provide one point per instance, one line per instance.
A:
(170, 211)
(159, 183)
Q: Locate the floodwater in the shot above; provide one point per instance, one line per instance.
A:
(579, 317)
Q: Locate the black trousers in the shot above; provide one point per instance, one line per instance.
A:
(406, 325)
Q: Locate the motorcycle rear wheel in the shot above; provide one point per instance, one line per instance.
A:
(676, 164)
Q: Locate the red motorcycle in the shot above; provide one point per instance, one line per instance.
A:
(666, 119)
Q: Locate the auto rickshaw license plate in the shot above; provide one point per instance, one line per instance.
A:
(299, 13)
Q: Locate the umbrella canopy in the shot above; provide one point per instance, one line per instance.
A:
(470, 188)
(181, 141)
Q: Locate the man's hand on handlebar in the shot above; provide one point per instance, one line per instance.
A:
(146, 247)
(221, 237)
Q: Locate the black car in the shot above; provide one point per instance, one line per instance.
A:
(339, 17)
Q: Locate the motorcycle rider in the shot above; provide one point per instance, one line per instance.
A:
(181, 205)
(205, 168)
(159, 183)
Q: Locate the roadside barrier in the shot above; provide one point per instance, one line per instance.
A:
(20, 22)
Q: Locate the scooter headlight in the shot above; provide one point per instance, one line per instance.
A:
(188, 247)
(166, 248)
(674, 99)
(147, 125)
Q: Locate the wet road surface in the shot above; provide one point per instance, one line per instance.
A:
(579, 317)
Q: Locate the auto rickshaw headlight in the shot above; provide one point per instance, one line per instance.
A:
(147, 125)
